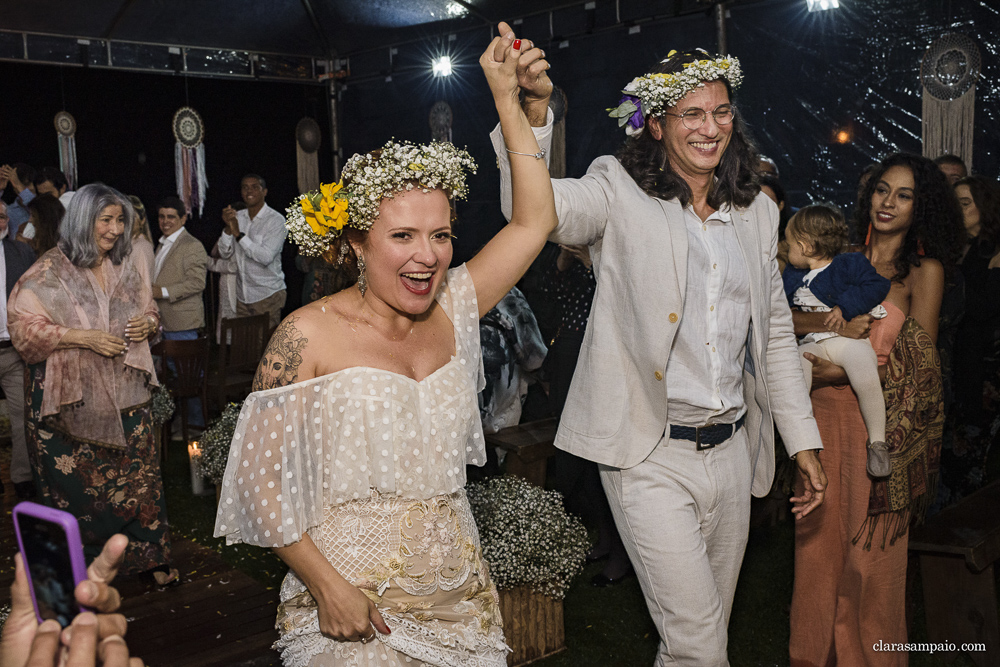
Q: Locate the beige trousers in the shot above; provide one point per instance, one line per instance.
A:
(12, 381)
(684, 517)
(271, 305)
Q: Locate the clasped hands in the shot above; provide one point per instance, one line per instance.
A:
(528, 75)
(92, 639)
(138, 329)
(232, 224)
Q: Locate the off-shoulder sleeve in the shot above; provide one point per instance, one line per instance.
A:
(272, 491)
(463, 308)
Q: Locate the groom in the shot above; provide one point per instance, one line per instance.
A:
(689, 352)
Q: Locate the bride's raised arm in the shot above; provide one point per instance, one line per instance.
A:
(502, 262)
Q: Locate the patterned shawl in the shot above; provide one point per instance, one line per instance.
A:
(914, 401)
(84, 393)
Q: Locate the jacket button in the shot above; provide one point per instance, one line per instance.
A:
(672, 317)
(658, 375)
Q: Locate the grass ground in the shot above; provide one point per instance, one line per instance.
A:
(605, 627)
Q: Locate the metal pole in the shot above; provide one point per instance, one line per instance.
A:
(334, 122)
(720, 27)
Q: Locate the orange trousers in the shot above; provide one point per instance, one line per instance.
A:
(845, 599)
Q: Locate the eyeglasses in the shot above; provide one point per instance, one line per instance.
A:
(695, 118)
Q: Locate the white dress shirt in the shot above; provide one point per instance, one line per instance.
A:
(705, 368)
(257, 255)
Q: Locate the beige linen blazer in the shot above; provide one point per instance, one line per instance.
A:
(616, 410)
(183, 274)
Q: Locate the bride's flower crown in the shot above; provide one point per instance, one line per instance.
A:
(316, 219)
(652, 94)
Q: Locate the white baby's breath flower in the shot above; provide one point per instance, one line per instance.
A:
(527, 537)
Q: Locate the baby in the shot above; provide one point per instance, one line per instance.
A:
(819, 278)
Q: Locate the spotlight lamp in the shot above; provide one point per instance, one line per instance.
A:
(820, 5)
(441, 66)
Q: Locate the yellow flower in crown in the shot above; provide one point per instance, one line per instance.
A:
(325, 210)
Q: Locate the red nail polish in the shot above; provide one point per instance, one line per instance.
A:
(517, 44)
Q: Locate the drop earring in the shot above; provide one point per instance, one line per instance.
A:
(362, 277)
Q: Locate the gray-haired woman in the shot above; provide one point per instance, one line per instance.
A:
(80, 318)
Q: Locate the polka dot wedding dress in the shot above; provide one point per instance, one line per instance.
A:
(371, 465)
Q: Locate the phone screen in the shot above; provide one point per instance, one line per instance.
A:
(46, 552)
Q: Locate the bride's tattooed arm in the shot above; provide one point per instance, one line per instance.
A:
(281, 361)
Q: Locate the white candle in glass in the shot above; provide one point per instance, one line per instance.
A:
(197, 481)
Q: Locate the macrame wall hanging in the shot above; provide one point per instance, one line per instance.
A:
(66, 134)
(557, 154)
(948, 73)
(189, 159)
(440, 121)
(307, 137)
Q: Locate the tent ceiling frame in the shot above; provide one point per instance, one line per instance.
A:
(310, 70)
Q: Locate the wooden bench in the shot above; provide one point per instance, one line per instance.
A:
(957, 550)
(528, 448)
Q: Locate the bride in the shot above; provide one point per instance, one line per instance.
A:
(349, 457)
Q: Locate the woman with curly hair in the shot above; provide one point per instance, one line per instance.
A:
(962, 464)
(850, 593)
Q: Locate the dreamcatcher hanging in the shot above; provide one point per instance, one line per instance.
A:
(307, 138)
(66, 133)
(189, 159)
(440, 121)
(948, 73)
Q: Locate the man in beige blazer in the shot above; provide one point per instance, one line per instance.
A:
(689, 352)
(178, 282)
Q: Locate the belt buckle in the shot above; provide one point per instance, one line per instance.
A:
(697, 438)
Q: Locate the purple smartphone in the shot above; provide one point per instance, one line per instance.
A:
(49, 541)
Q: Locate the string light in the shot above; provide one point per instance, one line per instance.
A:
(441, 66)
(820, 5)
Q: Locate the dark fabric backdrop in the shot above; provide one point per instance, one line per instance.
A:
(805, 75)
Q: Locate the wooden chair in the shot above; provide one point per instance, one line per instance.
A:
(958, 549)
(184, 370)
(528, 448)
(240, 350)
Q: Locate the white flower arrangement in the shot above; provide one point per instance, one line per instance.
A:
(652, 94)
(527, 537)
(163, 406)
(316, 219)
(215, 442)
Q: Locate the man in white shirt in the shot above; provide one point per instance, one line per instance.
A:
(15, 259)
(254, 237)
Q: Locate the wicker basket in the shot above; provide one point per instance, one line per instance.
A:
(532, 625)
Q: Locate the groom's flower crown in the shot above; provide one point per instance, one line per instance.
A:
(652, 94)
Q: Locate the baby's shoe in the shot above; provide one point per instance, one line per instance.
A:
(878, 460)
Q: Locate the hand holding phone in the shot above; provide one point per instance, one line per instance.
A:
(25, 640)
(49, 541)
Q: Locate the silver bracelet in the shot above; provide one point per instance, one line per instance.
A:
(538, 156)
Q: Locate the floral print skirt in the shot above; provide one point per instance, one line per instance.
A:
(108, 490)
(420, 562)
